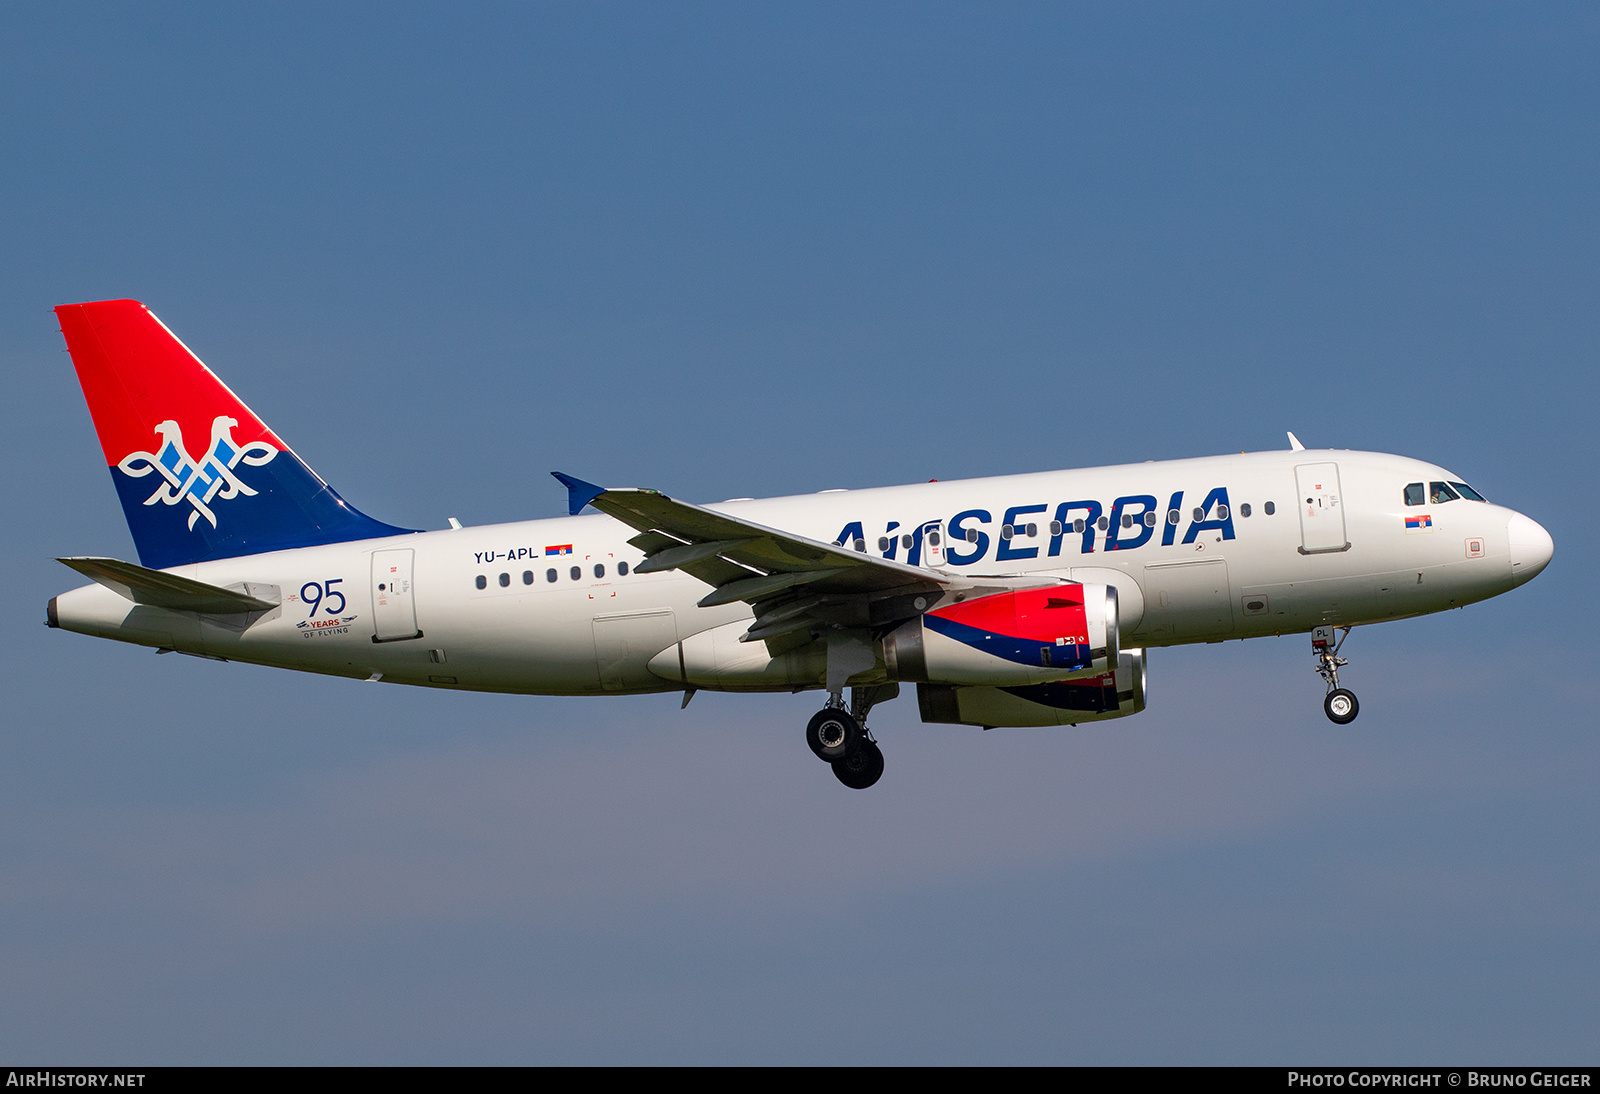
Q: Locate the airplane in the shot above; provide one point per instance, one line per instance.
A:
(1021, 600)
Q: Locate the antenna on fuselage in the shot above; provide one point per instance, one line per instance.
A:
(1295, 445)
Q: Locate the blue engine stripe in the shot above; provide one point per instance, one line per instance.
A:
(1022, 651)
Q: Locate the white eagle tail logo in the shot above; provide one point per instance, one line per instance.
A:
(199, 482)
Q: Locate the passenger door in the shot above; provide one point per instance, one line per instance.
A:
(1321, 508)
(394, 611)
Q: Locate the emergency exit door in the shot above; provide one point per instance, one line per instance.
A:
(1321, 508)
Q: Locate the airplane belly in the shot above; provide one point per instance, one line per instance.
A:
(624, 643)
(519, 643)
(505, 645)
(1186, 602)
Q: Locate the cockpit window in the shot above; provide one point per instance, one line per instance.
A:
(1415, 494)
(1440, 492)
(1468, 492)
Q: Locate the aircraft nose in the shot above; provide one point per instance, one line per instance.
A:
(1531, 547)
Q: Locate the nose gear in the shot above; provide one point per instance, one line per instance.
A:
(1340, 704)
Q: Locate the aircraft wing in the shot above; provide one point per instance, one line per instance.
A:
(793, 582)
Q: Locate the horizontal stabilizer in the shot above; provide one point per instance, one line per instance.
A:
(161, 590)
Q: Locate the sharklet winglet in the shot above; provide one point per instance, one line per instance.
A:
(1295, 445)
(579, 493)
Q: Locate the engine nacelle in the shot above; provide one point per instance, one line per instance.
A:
(1027, 636)
(1065, 702)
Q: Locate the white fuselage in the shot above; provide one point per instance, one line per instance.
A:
(1346, 556)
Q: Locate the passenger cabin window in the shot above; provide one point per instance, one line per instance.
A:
(1269, 508)
(550, 575)
(600, 570)
(1415, 494)
(1244, 509)
(505, 580)
(622, 568)
(577, 573)
(527, 577)
(482, 582)
(1440, 492)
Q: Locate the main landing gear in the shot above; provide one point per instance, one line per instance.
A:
(839, 738)
(1340, 704)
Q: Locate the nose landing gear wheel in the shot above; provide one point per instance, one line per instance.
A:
(862, 768)
(1341, 706)
(833, 735)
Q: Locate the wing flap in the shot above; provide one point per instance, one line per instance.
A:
(670, 558)
(753, 589)
(653, 541)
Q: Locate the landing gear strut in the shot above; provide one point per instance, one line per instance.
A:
(1340, 704)
(839, 737)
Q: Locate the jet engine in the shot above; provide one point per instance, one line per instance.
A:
(1016, 638)
(1066, 702)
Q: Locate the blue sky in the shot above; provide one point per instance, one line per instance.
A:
(751, 250)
